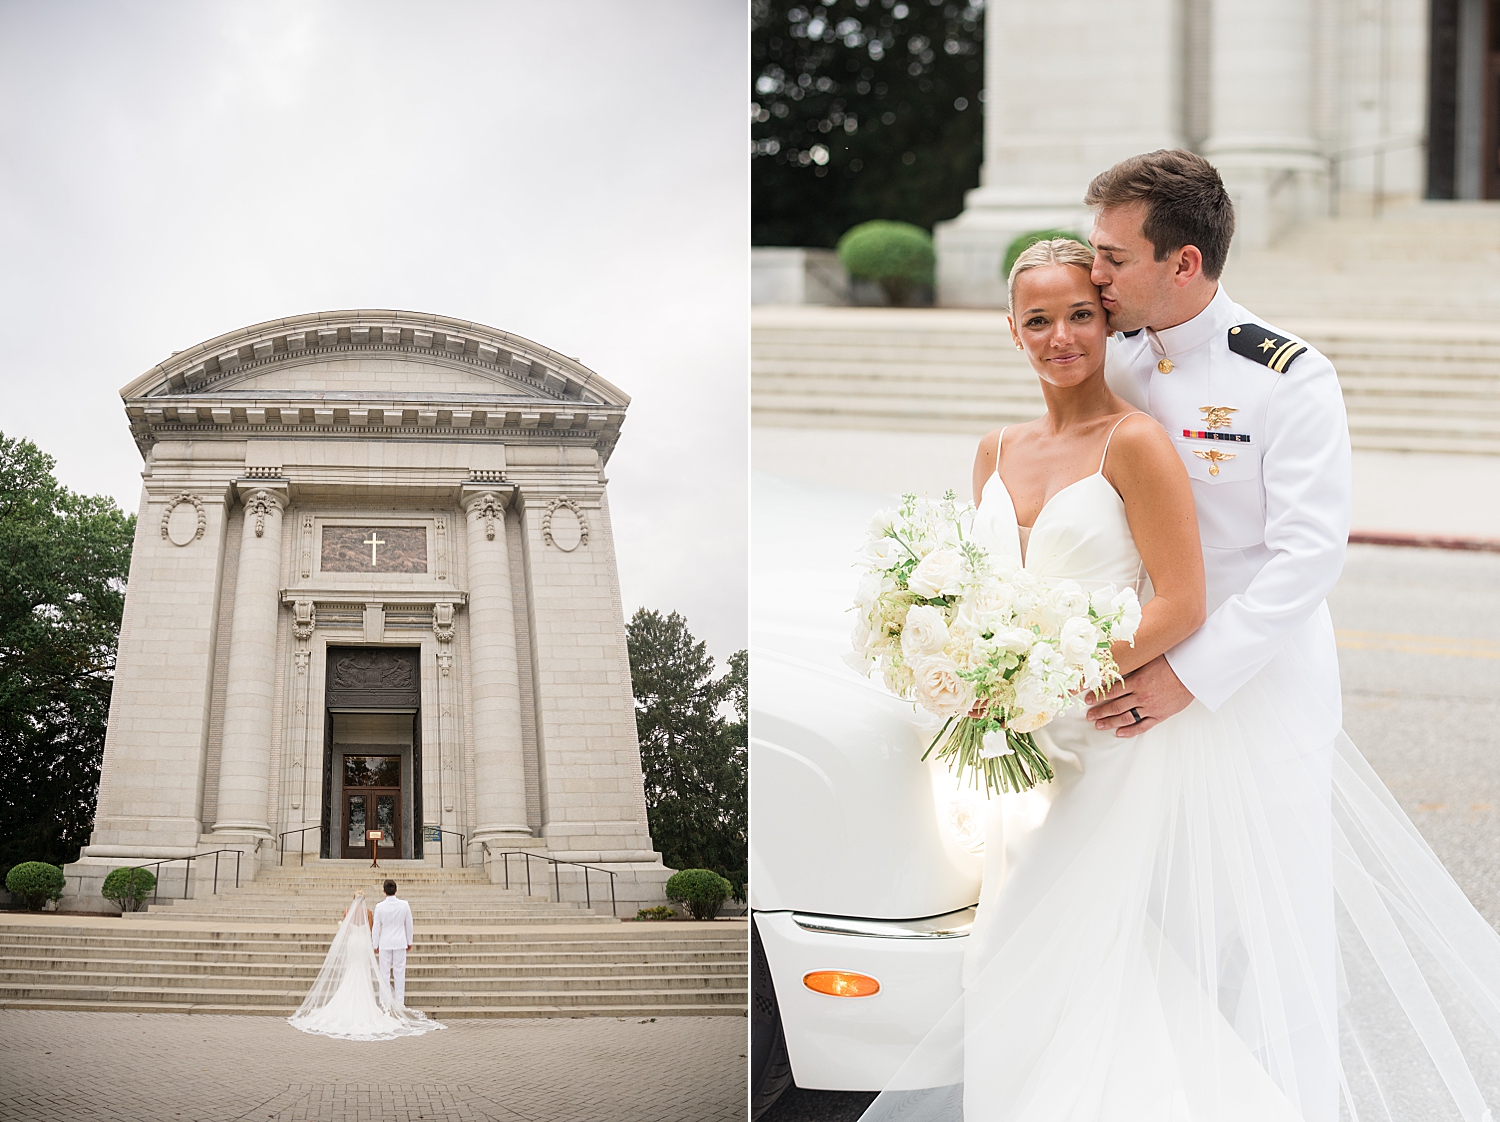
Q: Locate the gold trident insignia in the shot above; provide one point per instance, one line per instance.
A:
(1216, 416)
(1214, 458)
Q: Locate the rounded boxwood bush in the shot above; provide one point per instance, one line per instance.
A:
(128, 887)
(896, 255)
(701, 891)
(35, 882)
(1021, 244)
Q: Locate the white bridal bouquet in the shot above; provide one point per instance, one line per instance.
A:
(997, 654)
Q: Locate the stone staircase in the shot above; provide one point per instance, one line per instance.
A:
(1428, 387)
(480, 951)
(1406, 305)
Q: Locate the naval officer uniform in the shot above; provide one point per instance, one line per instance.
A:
(1258, 419)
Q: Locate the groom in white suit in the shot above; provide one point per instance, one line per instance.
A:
(392, 935)
(1258, 419)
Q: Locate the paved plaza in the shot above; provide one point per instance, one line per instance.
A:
(163, 1067)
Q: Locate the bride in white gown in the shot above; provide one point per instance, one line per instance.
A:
(349, 999)
(1218, 919)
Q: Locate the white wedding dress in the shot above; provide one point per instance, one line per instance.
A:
(1215, 921)
(349, 999)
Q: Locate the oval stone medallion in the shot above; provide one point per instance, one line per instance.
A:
(566, 531)
(182, 524)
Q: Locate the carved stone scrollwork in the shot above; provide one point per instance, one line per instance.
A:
(490, 507)
(442, 627)
(185, 534)
(261, 504)
(564, 525)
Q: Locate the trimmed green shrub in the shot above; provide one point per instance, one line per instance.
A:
(128, 887)
(896, 255)
(661, 911)
(701, 891)
(1026, 241)
(35, 882)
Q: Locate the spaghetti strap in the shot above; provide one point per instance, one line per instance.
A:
(999, 440)
(1107, 439)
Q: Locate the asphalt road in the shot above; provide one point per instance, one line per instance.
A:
(1419, 648)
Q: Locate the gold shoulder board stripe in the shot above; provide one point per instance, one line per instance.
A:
(1284, 355)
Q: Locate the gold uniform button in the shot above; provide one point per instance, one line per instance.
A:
(1165, 366)
(1234, 331)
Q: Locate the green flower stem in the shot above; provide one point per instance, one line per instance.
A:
(1024, 768)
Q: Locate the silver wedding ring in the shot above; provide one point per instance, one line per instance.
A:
(1136, 713)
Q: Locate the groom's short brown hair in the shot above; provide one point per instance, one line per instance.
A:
(390, 887)
(1186, 203)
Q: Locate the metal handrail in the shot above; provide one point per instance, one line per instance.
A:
(188, 875)
(301, 844)
(556, 879)
(462, 863)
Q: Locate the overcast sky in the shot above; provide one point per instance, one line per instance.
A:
(574, 171)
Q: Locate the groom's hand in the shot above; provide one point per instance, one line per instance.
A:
(1154, 691)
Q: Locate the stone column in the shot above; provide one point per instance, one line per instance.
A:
(1051, 125)
(245, 752)
(1261, 134)
(499, 772)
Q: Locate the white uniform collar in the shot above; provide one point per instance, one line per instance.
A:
(1211, 321)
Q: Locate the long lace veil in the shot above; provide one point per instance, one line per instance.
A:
(349, 999)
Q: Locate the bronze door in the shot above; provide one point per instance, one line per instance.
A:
(372, 801)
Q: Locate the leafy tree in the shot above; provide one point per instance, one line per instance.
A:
(693, 755)
(63, 562)
(862, 109)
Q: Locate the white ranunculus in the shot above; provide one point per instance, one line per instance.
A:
(940, 573)
(1070, 598)
(1017, 640)
(925, 632)
(995, 744)
(1078, 641)
(940, 690)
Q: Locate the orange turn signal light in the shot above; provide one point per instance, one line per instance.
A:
(841, 983)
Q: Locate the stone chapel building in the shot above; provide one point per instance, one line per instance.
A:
(373, 588)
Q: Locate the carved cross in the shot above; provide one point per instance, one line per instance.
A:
(374, 542)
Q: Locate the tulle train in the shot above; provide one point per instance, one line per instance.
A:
(1215, 924)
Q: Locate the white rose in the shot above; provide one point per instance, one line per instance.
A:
(940, 573)
(925, 632)
(940, 690)
(995, 744)
(1078, 641)
(1070, 599)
